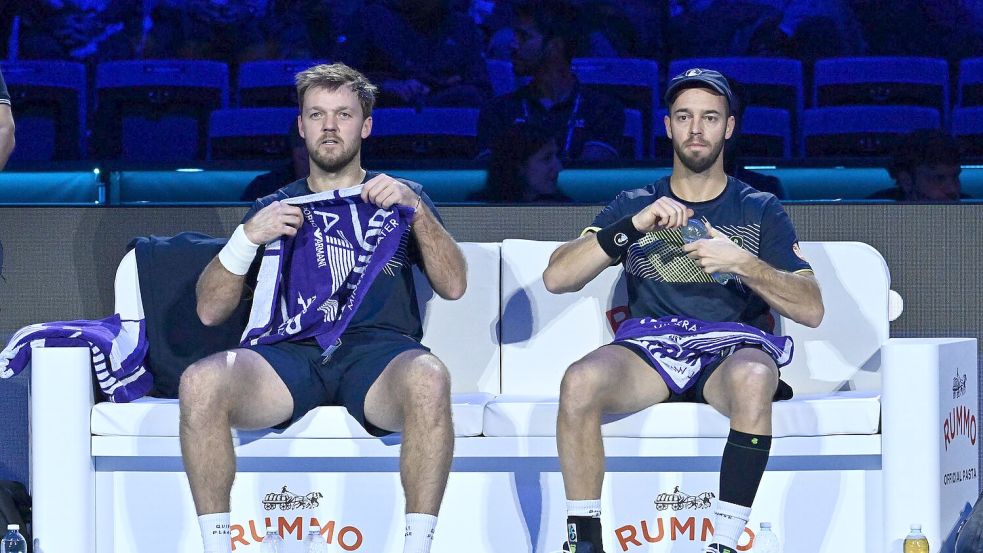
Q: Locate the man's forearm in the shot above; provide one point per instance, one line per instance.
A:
(574, 264)
(794, 295)
(442, 259)
(219, 292)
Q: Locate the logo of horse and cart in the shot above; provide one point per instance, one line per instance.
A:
(958, 385)
(678, 500)
(286, 500)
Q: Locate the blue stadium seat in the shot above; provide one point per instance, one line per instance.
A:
(766, 132)
(501, 76)
(861, 131)
(48, 98)
(157, 110)
(882, 81)
(635, 82)
(967, 127)
(269, 83)
(634, 135)
(433, 133)
(762, 82)
(970, 83)
(251, 133)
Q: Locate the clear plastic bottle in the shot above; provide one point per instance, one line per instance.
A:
(272, 542)
(13, 541)
(696, 230)
(766, 541)
(916, 542)
(314, 542)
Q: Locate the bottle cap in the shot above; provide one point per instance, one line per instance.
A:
(765, 525)
(916, 527)
(13, 527)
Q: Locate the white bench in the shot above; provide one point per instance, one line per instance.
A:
(876, 437)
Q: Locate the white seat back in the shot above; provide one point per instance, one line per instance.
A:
(128, 303)
(543, 333)
(464, 333)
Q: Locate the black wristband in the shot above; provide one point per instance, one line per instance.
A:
(615, 238)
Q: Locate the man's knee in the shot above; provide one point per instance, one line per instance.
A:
(754, 381)
(428, 382)
(201, 387)
(582, 385)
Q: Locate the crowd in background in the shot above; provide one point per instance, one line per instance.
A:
(435, 36)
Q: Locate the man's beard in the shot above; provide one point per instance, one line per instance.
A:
(694, 164)
(332, 164)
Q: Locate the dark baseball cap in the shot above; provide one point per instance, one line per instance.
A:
(701, 78)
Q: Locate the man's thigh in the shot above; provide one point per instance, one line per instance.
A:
(621, 379)
(258, 396)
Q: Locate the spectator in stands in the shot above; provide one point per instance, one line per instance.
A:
(424, 52)
(6, 125)
(295, 169)
(925, 168)
(588, 125)
(211, 30)
(83, 30)
(935, 28)
(523, 168)
(738, 28)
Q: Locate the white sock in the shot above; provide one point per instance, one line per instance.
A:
(216, 534)
(584, 508)
(728, 523)
(419, 532)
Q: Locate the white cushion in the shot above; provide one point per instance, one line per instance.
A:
(153, 417)
(807, 415)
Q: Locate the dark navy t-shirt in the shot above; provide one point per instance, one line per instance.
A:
(663, 281)
(390, 303)
(4, 95)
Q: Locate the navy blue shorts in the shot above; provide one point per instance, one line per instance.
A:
(694, 394)
(344, 379)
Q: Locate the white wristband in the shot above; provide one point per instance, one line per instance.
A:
(238, 253)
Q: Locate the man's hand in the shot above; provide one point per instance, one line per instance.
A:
(406, 90)
(273, 221)
(662, 213)
(385, 191)
(717, 254)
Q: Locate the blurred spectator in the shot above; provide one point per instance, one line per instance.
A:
(83, 30)
(523, 168)
(925, 168)
(6, 125)
(422, 52)
(297, 167)
(587, 124)
(737, 28)
(217, 30)
(935, 28)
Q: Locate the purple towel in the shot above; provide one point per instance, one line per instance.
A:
(311, 284)
(679, 348)
(117, 346)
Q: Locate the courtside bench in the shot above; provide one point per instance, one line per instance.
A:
(881, 433)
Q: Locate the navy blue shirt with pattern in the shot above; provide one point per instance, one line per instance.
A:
(390, 303)
(663, 281)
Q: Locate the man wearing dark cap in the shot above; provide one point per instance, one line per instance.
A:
(701, 327)
(6, 125)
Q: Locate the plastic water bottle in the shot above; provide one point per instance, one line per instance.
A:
(696, 230)
(13, 541)
(272, 543)
(766, 541)
(916, 542)
(315, 543)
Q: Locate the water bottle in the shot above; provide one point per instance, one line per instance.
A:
(696, 230)
(272, 543)
(315, 543)
(916, 542)
(766, 541)
(13, 541)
